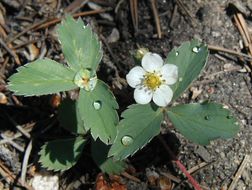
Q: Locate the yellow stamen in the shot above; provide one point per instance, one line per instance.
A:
(152, 80)
(85, 81)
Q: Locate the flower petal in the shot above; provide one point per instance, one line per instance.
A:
(142, 95)
(135, 76)
(169, 73)
(152, 62)
(163, 95)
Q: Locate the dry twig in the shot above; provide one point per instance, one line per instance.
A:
(75, 6)
(134, 14)
(239, 172)
(11, 178)
(175, 10)
(11, 142)
(179, 164)
(131, 177)
(197, 167)
(54, 21)
(171, 177)
(156, 17)
(217, 48)
(25, 161)
(48, 22)
(187, 12)
(243, 29)
(10, 51)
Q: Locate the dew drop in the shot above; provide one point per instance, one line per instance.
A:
(127, 140)
(180, 79)
(177, 53)
(196, 49)
(97, 105)
(207, 117)
(229, 117)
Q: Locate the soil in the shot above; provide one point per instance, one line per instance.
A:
(226, 79)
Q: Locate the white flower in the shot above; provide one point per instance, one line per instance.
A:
(152, 80)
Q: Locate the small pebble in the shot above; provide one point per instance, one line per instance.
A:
(222, 155)
(40, 182)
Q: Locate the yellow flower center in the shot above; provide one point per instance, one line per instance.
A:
(152, 80)
(85, 79)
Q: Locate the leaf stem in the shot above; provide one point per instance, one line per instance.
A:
(179, 164)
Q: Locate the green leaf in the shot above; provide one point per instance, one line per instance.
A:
(190, 58)
(100, 156)
(204, 122)
(41, 77)
(60, 155)
(98, 112)
(70, 118)
(80, 45)
(140, 124)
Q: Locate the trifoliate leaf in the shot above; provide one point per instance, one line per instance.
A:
(140, 124)
(80, 45)
(70, 118)
(97, 109)
(60, 155)
(41, 77)
(100, 156)
(190, 59)
(204, 122)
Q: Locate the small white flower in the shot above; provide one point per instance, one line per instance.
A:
(152, 80)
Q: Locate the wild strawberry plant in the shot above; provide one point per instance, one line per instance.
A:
(92, 117)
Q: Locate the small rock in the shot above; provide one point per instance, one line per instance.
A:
(152, 176)
(216, 34)
(3, 98)
(203, 153)
(240, 185)
(222, 155)
(165, 183)
(195, 92)
(114, 36)
(40, 182)
(246, 177)
(34, 52)
(228, 66)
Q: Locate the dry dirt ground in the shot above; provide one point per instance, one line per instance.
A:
(226, 79)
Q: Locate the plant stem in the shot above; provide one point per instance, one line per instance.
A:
(180, 165)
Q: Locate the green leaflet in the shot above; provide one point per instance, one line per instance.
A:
(190, 58)
(140, 124)
(97, 109)
(80, 45)
(41, 77)
(69, 117)
(202, 123)
(60, 155)
(100, 156)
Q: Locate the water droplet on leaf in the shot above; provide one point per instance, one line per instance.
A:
(127, 140)
(97, 105)
(196, 49)
(177, 53)
(207, 117)
(229, 117)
